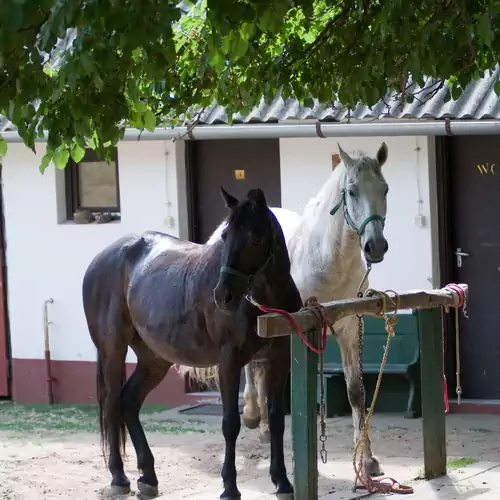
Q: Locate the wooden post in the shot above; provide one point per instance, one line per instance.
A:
(304, 417)
(431, 363)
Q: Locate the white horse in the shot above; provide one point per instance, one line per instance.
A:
(324, 246)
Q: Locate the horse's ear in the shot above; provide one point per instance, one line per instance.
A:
(382, 154)
(231, 201)
(347, 160)
(257, 196)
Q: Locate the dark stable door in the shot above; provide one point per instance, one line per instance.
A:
(475, 188)
(238, 165)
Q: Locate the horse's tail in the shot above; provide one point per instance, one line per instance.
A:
(107, 411)
(208, 376)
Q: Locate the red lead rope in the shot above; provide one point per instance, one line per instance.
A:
(311, 303)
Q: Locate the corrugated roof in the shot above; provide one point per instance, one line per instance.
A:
(478, 101)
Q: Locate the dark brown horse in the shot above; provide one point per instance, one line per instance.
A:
(174, 301)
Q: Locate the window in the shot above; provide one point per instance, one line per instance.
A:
(92, 187)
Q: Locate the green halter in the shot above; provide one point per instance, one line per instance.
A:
(250, 277)
(359, 231)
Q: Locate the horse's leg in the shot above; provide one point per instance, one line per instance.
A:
(110, 376)
(229, 377)
(350, 349)
(149, 372)
(260, 378)
(276, 370)
(251, 411)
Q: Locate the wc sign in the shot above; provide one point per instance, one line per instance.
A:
(486, 168)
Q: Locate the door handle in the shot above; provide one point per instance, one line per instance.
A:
(459, 255)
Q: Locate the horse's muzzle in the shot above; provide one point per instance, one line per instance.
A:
(374, 249)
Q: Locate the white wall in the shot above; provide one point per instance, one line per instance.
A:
(48, 259)
(306, 164)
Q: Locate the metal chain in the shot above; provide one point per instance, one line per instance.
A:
(322, 411)
(361, 340)
(361, 402)
(322, 423)
(464, 309)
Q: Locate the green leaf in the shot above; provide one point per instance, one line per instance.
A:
(266, 22)
(226, 43)
(77, 153)
(47, 157)
(60, 159)
(447, 96)
(456, 92)
(239, 48)
(3, 146)
(484, 28)
(309, 37)
(247, 30)
(497, 91)
(149, 120)
(14, 20)
(217, 60)
(309, 102)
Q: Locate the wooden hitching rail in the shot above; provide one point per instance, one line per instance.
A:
(304, 377)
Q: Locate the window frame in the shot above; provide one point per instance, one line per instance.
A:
(72, 185)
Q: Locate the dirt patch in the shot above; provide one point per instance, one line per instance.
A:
(54, 453)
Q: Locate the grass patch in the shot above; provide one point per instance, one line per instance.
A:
(451, 464)
(81, 418)
(458, 463)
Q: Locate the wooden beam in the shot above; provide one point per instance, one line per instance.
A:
(304, 417)
(276, 325)
(431, 365)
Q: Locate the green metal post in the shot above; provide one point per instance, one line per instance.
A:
(304, 417)
(434, 422)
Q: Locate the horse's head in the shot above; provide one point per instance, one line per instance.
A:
(364, 196)
(249, 246)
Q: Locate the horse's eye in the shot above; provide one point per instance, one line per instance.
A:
(256, 241)
(351, 193)
(386, 191)
(223, 235)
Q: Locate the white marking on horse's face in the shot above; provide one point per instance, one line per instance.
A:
(366, 196)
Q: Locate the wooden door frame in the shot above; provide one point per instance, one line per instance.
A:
(4, 318)
(191, 195)
(445, 201)
(190, 386)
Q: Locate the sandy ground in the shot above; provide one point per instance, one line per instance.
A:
(51, 463)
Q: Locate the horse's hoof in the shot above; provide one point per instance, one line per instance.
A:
(285, 496)
(265, 436)
(251, 422)
(231, 495)
(373, 467)
(115, 490)
(284, 489)
(146, 490)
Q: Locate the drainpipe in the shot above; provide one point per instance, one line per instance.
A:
(48, 370)
(378, 128)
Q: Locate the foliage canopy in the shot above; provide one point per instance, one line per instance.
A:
(83, 71)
